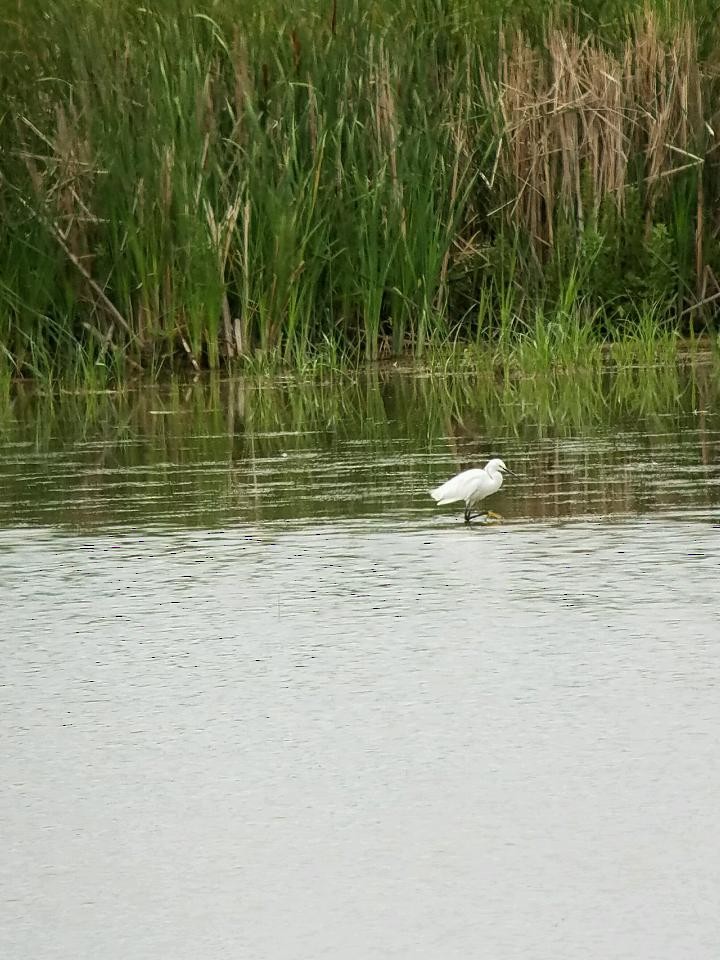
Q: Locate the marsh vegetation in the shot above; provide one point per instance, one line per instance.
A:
(297, 183)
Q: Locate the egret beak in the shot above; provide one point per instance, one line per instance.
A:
(511, 473)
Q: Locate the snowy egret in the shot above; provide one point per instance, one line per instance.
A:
(472, 486)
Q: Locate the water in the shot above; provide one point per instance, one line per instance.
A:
(262, 699)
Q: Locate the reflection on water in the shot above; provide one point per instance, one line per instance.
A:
(209, 455)
(261, 698)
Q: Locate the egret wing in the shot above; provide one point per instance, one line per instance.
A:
(460, 487)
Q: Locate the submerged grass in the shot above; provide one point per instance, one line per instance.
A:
(376, 403)
(313, 184)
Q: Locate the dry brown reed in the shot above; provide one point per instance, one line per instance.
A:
(573, 118)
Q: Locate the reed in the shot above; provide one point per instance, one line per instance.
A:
(194, 184)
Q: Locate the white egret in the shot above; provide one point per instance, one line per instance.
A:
(472, 486)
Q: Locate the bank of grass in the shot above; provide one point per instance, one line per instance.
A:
(200, 183)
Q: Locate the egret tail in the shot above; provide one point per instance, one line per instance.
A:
(441, 496)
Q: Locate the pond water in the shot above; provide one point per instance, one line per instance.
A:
(261, 698)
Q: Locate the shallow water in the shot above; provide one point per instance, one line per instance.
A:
(262, 699)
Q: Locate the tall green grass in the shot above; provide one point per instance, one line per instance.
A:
(196, 183)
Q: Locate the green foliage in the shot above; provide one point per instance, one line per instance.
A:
(195, 183)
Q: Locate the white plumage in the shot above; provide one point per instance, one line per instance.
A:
(472, 486)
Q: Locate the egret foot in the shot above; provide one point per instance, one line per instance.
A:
(494, 516)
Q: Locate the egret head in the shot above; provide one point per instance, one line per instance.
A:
(496, 465)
